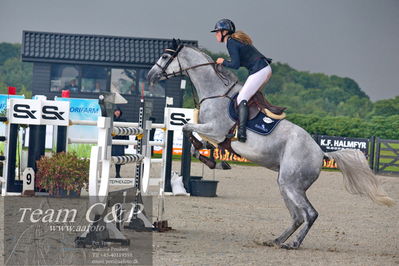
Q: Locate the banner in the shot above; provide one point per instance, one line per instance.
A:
(3, 108)
(330, 144)
(176, 118)
(38, 112)
(82, 109)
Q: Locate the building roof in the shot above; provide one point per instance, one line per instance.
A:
(93, 49)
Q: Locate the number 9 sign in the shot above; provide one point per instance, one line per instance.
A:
(28, 179)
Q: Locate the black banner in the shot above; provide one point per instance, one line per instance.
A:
(330, 144)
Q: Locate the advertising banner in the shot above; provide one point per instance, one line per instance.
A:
(3, 108)
(82, 109)
(38, 112)
(176, 118)
(330, 144)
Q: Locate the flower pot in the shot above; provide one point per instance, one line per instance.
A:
(203, 188)
(193, 178)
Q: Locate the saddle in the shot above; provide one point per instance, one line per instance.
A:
(258, 103)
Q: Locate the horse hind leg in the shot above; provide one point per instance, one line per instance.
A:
(309, 216)
(297, 221)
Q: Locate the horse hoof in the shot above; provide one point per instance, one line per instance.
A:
(222, 166)
(270, 243)
(288, 246)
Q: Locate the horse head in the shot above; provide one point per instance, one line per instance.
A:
(167, 65)
(179, 59)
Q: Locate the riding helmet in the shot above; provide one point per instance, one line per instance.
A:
(225, 24)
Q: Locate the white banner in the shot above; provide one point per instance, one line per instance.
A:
(38, 112)
(176, 118)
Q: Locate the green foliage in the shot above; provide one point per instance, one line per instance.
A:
(16, 74)
(386, 127)
(386, 107)
(316, 93)
(344, 126)
(9, 50)
(13, 72)
(62, 171)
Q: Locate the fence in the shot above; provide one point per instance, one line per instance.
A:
(387, 157)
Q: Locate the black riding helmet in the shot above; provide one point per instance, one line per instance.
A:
(225, 24)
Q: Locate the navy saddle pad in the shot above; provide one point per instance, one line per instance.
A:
(261, 124)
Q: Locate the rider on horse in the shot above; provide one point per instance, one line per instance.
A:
(244, 54)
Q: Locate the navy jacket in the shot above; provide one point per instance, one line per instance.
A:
(245, 55)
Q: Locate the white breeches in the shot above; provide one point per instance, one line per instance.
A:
(254, 83)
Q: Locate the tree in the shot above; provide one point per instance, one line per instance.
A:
(8, 50)
(355, 106)
(386, 107)
(16, 74)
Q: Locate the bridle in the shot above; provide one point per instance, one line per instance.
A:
(174, 55)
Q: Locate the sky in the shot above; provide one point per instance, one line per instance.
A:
(358, 39)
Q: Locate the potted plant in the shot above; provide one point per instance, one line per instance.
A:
(62, 174)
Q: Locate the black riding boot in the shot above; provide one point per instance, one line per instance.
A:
(242, 121)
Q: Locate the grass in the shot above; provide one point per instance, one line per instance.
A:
(81, 150)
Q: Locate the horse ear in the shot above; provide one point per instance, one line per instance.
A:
(179, 42)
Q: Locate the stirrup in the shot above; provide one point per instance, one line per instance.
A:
(233, 136)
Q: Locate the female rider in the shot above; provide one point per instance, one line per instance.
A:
(243, 53)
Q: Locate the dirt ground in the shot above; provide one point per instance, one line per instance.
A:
(228, 229)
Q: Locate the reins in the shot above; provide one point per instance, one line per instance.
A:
(181, 71)
(221, 96)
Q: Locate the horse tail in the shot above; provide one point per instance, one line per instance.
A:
(358, 177)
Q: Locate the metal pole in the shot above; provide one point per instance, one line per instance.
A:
(377, 157)
(169, 154)
(37, 144)
(61, 139)
(186, 161)
(372, 150)
(12, 184)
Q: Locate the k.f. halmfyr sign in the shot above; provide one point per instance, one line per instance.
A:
(329, 143)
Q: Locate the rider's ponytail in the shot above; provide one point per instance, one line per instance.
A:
(242, 37)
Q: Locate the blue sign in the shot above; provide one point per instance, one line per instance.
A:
(3, 106)
(82, 109)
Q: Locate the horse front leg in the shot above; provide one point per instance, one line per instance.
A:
(203, 129)
(197, 145)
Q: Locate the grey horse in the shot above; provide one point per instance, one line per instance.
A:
(289, 149)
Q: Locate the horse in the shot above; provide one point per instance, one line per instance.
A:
(288, 150)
